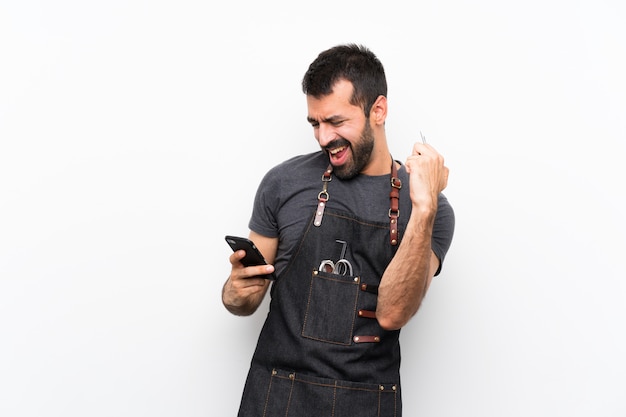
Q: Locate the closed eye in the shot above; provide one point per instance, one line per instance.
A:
(333, 121)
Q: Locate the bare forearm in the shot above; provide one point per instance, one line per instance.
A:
(406, 279)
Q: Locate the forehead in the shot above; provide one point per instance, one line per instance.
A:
(339, 99)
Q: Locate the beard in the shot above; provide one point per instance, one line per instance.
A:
(361, 154)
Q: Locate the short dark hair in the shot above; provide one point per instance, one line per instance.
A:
(351, 62)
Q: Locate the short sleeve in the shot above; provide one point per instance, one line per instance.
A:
(266, 202)
(443, 230)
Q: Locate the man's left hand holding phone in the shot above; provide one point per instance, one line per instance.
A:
(253, 256)
(245, 288)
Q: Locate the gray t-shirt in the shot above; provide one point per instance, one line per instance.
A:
(286, 201)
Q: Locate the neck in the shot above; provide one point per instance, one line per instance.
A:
(380, 160)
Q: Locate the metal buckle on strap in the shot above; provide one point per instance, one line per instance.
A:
(323, 196)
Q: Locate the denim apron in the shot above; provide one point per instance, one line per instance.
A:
(321, 351)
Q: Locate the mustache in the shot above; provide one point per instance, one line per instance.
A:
(336, 143)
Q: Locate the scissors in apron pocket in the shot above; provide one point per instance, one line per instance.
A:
(340, 267)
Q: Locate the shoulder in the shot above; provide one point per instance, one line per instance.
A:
(293, 176)
(299, 167)
(296, 164)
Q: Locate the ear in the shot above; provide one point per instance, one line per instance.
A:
(378, 112)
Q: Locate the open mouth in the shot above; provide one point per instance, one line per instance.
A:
(338, 154)
(337, 151)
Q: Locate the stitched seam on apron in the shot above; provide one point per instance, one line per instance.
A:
(334, 385)
(334, 400)
(267, 397)
(293, 380)
(297, 251)
(366, 223)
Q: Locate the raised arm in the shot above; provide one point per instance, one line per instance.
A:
(408, 275)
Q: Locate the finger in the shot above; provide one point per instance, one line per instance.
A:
(239, 271)
(410, 163)
(420, 148)
(251, 282)
(247, 286)
(445, 178)
(255, 271)
(237, 256)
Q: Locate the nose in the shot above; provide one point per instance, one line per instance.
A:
(325, 134)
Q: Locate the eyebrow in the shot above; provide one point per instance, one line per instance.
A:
(330, 119)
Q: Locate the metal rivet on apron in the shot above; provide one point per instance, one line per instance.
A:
(274, 372)
(356, 338)
(291, 376)
(381, 387)
(394, 241)
(393, 387)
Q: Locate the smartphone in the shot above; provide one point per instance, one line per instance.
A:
(253, 255)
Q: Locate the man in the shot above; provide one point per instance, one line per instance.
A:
(355, 238)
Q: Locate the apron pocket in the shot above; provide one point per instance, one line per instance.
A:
(331, 308)
(300, 395)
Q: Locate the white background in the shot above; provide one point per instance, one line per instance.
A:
(134, 133)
